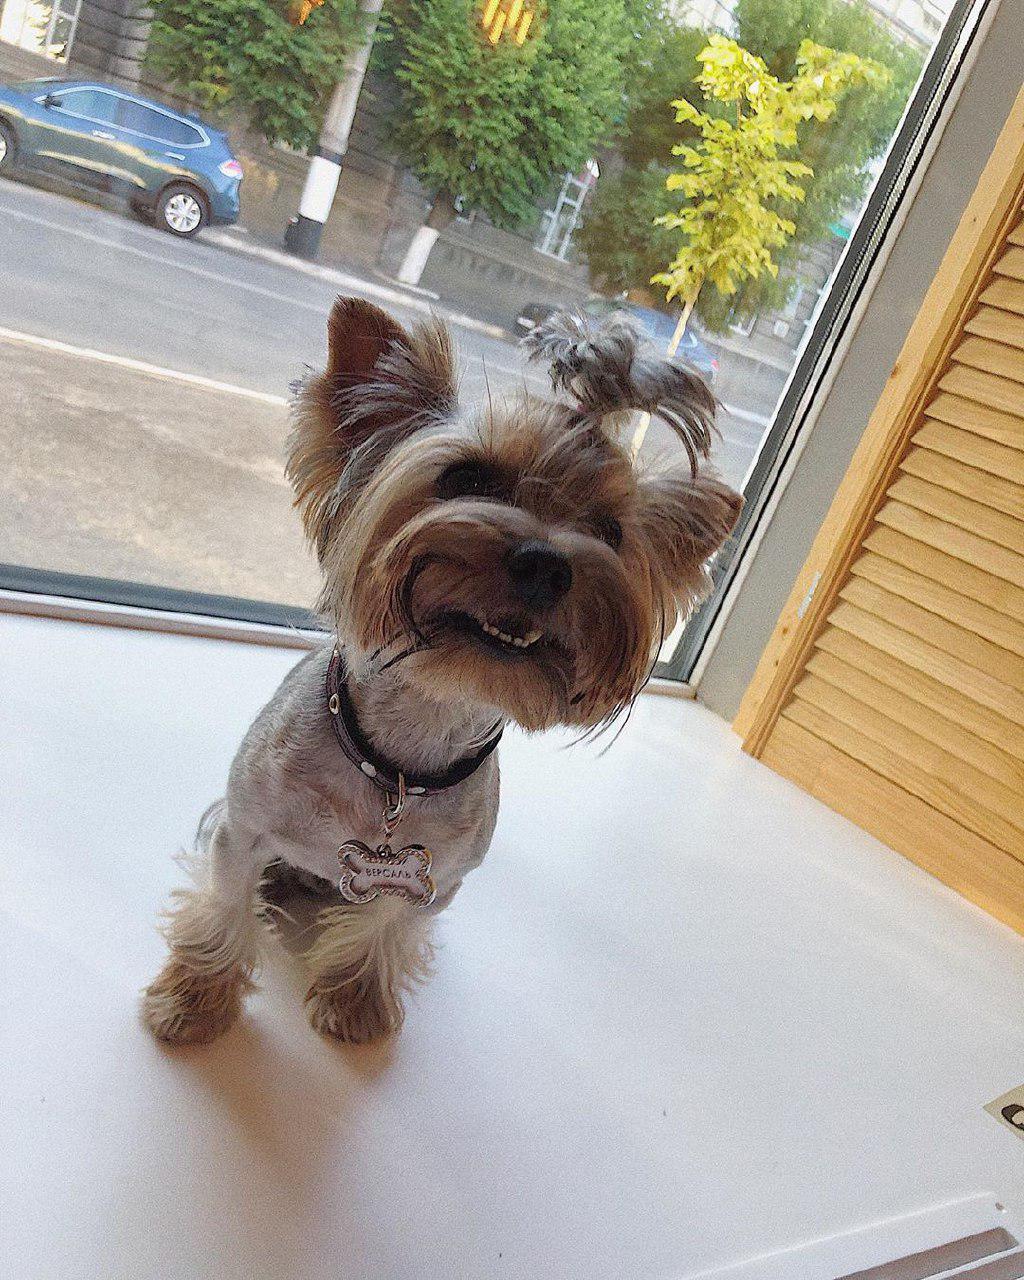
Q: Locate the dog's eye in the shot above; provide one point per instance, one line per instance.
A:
(469, 480)
(610, 531)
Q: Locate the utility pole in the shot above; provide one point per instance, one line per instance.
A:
(302, 235)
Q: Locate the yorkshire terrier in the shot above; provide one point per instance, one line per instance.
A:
(507, 563)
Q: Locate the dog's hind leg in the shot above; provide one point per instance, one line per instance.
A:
(361, 963)
(214, 934)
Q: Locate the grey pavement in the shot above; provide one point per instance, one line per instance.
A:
(121, 473)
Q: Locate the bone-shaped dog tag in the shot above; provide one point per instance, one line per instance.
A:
(365, 874)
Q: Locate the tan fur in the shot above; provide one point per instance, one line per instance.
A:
(420, 581)
(396, 561)
(361, 963)
(184, 1006)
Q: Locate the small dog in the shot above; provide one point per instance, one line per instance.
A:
(508, 564)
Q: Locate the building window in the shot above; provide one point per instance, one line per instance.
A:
(558, 224)
(48, 29)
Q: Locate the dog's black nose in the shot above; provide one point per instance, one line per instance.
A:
(541, 575)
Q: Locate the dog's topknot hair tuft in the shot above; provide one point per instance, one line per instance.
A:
(609, 369)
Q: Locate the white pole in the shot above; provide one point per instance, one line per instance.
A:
(303, 236)
(673, 347)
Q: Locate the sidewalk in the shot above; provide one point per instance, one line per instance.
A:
(238, 240)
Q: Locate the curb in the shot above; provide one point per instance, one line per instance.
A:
(234, 244)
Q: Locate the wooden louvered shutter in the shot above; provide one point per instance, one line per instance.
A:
(893, 688)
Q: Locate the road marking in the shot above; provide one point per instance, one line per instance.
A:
(231, 282)
(139, 366)
(175, 263)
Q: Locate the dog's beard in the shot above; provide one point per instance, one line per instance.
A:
(448, 621)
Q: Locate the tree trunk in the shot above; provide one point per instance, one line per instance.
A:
(442, 212)
(673, 346)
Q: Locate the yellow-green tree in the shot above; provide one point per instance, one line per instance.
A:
(743, 164)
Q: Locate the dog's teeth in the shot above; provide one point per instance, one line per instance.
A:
(519, 642)
(502, 635)
(491, 631)
(532, 636)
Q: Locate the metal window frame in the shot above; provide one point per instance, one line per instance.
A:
(831, 329)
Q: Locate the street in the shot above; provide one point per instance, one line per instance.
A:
(145, 384)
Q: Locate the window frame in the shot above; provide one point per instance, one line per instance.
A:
(834, 321)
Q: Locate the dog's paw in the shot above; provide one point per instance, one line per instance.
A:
(182, 1006)
(355, 1017)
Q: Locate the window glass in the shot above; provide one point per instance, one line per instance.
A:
(552, 171)
(155, 124)
(90, 104)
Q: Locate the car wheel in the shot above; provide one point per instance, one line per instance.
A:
(8, 147)
(181, 210)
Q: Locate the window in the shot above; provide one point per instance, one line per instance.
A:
(39, 27)
(88, 104)
(156, 124)
(147, 378)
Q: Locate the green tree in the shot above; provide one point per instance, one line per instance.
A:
(839, 150)
(492, 123)
(245, 55)
(738, 173)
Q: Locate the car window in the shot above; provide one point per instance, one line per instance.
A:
(156, 124)
(90, 104)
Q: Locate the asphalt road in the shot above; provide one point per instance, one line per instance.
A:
(122, 471)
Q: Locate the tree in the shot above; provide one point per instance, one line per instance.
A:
(618, 237)
(492, 123)
(737, 174)
(247, 55)
(839, 150)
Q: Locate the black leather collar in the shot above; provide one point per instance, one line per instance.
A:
(385, 773)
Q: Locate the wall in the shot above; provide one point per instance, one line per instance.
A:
(970, 135)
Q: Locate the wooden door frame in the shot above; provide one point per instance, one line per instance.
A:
(962, 276)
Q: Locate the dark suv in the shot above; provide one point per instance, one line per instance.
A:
(172, 167)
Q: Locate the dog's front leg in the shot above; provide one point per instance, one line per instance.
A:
(213, 931)
(364, 959)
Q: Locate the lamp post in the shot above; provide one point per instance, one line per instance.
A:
(302, 235)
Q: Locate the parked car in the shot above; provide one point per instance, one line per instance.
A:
(173, 168)
(657, 326)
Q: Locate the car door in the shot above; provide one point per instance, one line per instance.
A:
(77, 135)
(157, 144)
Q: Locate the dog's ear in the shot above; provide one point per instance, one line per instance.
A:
(381, 383)
(685, 519)
(611, 371)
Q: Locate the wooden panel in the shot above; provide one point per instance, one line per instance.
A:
(985, 388)
(992, 357)
(971, 583)
(982, 421)
(957, 510)
(983, 873)
(952, 298)
(1007, 294)
(1011, 264)
(904, 706)
(955, 788)
(980, 486)
(937, 663)
(955, 542)
(947, 602)
(973, 450)
(1016, 234)
(1000, 326)
(989, 658)
(981, 721)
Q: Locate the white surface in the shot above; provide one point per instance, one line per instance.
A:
(896, 1241)
(682, 1015)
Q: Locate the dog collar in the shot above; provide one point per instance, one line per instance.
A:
(381, 771)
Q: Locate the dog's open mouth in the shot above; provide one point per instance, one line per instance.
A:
(502, 635)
